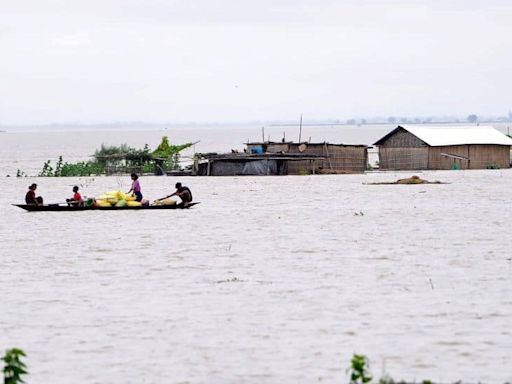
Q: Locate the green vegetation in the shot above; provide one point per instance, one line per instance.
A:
(111, 150)
(14, 368)
(170, 154)
(359, 369)
(359, 373)
(64, 169)
(117, 159)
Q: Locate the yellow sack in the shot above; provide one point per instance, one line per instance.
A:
(102, 203)
(112, 199)
(133, 204)
(168, 202)
(129, 197)
(121, 203)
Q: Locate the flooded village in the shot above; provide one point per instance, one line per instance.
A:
(168, 215)
(404, 148)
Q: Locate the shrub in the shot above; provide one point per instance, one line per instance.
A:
(14, 368)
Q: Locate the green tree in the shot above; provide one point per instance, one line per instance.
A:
(170, 153)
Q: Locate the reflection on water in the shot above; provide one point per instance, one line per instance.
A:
(269, 279)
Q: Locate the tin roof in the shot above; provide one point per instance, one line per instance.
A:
(270, 143)
(444, 136)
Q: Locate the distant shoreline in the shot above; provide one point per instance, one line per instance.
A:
(249, 124)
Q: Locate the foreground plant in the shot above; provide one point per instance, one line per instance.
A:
(14, 368)
(359, 373)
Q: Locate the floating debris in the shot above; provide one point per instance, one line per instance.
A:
(232, 280)
(409, 180)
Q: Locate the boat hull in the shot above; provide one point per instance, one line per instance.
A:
(67, 208)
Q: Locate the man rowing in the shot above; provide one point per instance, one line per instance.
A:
(184, 193)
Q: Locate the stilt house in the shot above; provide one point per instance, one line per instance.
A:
(415, 148)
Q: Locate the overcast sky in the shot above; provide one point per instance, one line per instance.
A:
(237, 60)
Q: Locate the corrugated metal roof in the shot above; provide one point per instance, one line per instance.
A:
(444, 136)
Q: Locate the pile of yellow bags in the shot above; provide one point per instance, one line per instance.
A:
(117, 199)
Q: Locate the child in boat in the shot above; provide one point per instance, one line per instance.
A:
(135, 187)
(30, 197)
(77, 197)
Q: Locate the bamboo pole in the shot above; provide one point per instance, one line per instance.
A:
(328, 156)
(300, 128)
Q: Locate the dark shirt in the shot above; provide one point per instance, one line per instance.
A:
(30, 197)
(185, 194)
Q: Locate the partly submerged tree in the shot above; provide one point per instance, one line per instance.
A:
(112, 150)
(472, 118)
(169, 153)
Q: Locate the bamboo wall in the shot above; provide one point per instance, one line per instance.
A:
(403, 158)
(270, 147)
(338, 159)
(480, 156)
(485, 156)
(403, 139)
(438, 161)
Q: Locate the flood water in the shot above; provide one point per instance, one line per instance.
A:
(268, 280)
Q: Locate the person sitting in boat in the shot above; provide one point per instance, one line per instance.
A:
(184, 193)
(77, 197)
(30, 197)
(135, 189)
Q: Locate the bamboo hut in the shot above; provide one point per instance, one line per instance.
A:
(417, 148)
(333, 158)
(263, 164)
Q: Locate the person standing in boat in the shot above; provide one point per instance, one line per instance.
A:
(184, 193)
(77, 197)
(30, 197)
(135, 189)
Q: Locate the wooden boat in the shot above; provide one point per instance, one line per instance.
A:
(71, 208)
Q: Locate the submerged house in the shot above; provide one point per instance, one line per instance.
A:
(334, 158)
(415, 148)
(285, 158)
